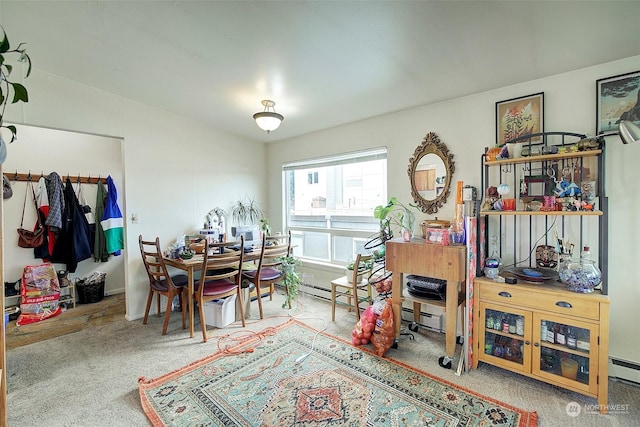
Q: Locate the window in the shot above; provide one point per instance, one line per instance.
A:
(329, 203)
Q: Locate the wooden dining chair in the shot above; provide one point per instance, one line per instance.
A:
(220, 277)
(348, 287)
(161, 283)
(269, 272)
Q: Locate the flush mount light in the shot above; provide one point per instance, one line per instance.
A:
(268, 119)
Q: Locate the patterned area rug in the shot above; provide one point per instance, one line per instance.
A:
(259, 383)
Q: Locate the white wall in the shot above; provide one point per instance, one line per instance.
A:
(174, 170)
(467, 125)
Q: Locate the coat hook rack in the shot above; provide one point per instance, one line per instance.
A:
(26, 177)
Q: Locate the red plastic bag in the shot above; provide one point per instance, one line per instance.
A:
(40, 291)
(384, 333)
(364, 328)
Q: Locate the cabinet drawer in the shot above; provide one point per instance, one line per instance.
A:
(561, 302)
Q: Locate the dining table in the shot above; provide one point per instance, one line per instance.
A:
(190, 266)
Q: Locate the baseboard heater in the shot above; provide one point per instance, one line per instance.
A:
(626, 370)
(630, 365)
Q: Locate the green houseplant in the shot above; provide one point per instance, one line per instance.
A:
(246, 212)
(398, 214)
(265, 226)
(6, 85)
(292, 278)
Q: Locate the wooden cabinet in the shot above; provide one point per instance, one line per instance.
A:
(551, 334)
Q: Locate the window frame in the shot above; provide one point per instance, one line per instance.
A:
(359, 237)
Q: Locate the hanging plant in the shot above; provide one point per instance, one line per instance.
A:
(6, 85)
(292, 278)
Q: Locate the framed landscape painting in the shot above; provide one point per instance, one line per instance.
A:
(617, 98)
(519, 117)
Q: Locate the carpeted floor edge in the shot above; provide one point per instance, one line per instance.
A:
(527, 418)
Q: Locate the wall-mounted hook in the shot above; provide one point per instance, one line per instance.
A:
(526, 167)
(15, 175)
(506, 169)
(41, 174)
(78, 180)
(89, 179)
(29, 176)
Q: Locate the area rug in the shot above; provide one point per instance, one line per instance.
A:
(263, 382)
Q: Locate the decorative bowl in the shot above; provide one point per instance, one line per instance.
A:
(186, 254)
(580, 276)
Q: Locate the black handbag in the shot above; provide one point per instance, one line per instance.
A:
(28, 238)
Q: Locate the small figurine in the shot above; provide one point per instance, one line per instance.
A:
(491, 198)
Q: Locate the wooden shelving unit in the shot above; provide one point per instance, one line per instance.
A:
(533, 306)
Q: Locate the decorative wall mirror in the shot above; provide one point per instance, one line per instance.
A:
(430, 171)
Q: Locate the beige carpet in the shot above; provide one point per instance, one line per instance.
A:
(89, 378)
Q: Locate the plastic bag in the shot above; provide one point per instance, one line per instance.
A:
(40, 291)
(364, 328)
(384, 333)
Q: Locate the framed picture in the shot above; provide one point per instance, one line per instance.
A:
(617, 99)
(519, 116)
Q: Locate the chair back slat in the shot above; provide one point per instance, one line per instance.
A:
(152, 260)
(273, 249)
(360, 260)
(224, 262)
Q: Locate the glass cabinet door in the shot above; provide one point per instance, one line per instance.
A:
(506, 337)
(567, 351)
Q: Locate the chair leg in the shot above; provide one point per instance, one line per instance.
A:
(356, 301)
(241, 307)
(203, 321)
(333, 302)
(183, 308)
(158, 310)
(146, 311)
(272, 289)
(259, 294)
(167, 313)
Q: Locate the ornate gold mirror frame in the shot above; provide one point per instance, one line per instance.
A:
(430, 171)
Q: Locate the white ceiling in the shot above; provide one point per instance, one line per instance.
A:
(324, 63)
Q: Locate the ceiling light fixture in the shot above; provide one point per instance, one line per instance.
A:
(627, 130)
(268, 119)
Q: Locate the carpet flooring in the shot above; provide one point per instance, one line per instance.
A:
(90, 377)
(293, 375)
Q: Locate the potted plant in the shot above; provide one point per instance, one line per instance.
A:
(265, 227)
(292, 279)
(363, 268)
(6, 85)
(396, 213)
(246, 212)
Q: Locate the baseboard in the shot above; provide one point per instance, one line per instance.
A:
(624, 369)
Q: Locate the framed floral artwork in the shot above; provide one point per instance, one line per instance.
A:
(617, 98)
(519, 117)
